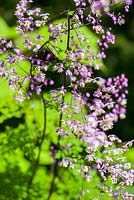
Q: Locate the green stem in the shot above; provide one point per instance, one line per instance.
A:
(36, 164)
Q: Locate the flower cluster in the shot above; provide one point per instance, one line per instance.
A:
(29, 19)
(94, 104)
(97, 10)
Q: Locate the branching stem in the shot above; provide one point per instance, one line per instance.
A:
(55, 164)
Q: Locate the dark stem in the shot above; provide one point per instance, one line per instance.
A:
(54, 172)
(55, 165)
(36, 164)
(56, 16)
(68, 26)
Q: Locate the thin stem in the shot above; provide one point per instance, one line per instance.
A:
(68, 26)
(36, 164)
(43, 45)
(56, 16)
(55, 165)
(54, 172)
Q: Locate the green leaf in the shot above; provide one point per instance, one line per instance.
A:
(5, 30)
(71, 12)
(60, 46)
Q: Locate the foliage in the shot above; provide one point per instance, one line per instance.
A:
(53, 139)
